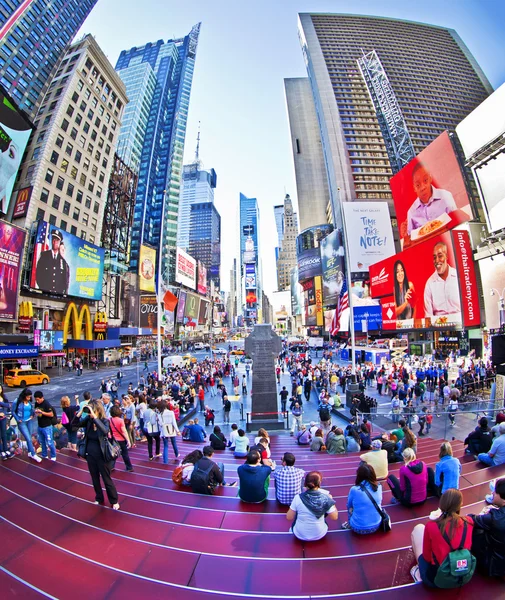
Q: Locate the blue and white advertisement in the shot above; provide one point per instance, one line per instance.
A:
(66, 265)
(367, 318)
(369, 234)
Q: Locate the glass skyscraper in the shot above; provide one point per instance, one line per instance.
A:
(155, 129)
(31, 50)
(204, 238)
(250, 253)
(433, 75)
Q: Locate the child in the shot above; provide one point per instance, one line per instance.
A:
(429, 421)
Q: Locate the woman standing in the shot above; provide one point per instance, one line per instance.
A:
(129, 418)
(69, 411)
(97, 431)
(364, 518)
(24, 415)
(4, 411)
(310, 508)
(152, 429)
(169, 429)
(120, 434)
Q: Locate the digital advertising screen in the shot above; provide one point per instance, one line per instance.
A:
(185, 269)
(202, 279)
(15, 131)
(429, 193)
(431, 285)
(191, 309)
(204, 312)
(250, 276)
(66, 265)
(48, 340)
(309, 264)
(332, 267)
(147, 269)
(12, 243)
(492, 274)
(149, 313)
(181, 305)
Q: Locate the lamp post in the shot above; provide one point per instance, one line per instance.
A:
(160, 270)
(501, 305)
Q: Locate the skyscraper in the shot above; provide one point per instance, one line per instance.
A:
(159, 137)
(286, 260)
(434, 80)
(250, 264)
(32, 48)
(198, 186)
(310, 171)
(205, 239)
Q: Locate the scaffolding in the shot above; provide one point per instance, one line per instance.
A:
(116, 234)
(391, 121)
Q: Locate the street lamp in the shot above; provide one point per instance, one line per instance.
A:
(501, 304)
(160, 287)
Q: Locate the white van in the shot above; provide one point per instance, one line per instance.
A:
(173, 361)
(199, 346)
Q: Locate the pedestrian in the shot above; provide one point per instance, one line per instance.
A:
(244, 385)
(67, 416)
(152, 430)
(226, 409)
(120, 435)
(4, 421)
(284, 398)
(296, 413)
(201, 399)
(24, 415)
(97, 430)
(169, 430)
(45, 414)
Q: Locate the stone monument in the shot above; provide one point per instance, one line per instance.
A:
(264, 345)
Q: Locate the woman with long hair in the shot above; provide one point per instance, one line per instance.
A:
(120, 434)
(97, 430)
(69, 411)
(429, 541)
(152, 429)
(188, 464)
(404, 293)
(415, 479)
(364, 518)
(169, 429)
(23, 412)
(310, 508)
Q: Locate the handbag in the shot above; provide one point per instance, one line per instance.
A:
(64, 418)
(385, 524)
(111, 450)
(81, 447)
(54, 418)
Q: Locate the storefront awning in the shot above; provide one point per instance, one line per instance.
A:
(117, 332)
(93, 344)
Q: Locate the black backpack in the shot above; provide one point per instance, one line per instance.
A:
(324, 414)
(200, 479)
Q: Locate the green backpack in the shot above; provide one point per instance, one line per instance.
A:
(458, 566)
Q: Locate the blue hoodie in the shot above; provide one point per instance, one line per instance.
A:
(447, 472)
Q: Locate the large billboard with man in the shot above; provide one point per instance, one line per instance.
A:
(66, 265)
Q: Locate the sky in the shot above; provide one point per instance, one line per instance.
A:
(245, 51)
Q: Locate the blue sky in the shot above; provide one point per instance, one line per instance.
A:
(246, 50)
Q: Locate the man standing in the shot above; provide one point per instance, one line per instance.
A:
(296, 414)
(45, 413)
(52, 273)
(107, 404)
(441, 294)
(226, 409)
(325, 417)
(288, 480)
(254, 479)
(244, 385)
(307, 386)
(284, 398)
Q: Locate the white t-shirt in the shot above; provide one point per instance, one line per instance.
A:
(233, 437)
(307, 526)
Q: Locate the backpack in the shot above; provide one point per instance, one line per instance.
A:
(324, 414)
(458, 566)
(200, 479)
(177, 475)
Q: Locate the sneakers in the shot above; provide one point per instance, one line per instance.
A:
(53, 459)
(130, 470)
(346, 525)
(394, 500)
(115, 506)
(416, 575)
(35, 457)
(233, 484)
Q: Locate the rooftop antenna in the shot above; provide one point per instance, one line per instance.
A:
(197, 153)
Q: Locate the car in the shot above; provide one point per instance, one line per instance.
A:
(25, 377)
(220, 351)
(199, 346)
(237, 352)
(190, 358)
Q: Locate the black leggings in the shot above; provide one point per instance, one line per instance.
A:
(150, 438)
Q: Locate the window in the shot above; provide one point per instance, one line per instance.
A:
(92, 239)
(101, 143)
(52, 220)
(49, 176)
(78, 156)
(97, 122)
(91, 185)
(75, 97)
(83, 233)
(93, 135)
(105, 162)
(73, 172)
(54, 157)
(59, 183)
(102, 177)
(85, 219)
(79, 196)
(30, 171)
(41, 136)
(91, 114)
(59, 141)
(94, 223)
(94, 170)
(70, 190)
(98, 156)
(66, 208)
(86, 127)
(64, 165)
(63, 225)
(73, 133)
(80, 85)
(82, 179)
(73, 230)
(78, 118)
(87, 94)
(70, 110)
(64, 124)
(94, 102)
(56, 202)
(76, 214)
(99, 191)
(82, 141)
(40, 214)
(44, 196)
(90, 148)
(96, 208)
(69, 149)
(86, 164)
(87, 204)
(82, 106)
(52, 106)
(36, 153)
(107, 149)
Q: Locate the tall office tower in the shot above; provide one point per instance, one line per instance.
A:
(159, 138)
(198, 186)
(287, 254)
(279, 224)
(205, 239)
(430, 79)
(232, 296)
(33, 39)
(250, 264)
(310, 172)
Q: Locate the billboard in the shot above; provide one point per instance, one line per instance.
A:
(15, 132)
(191, 309)
(250, 276)
(332, 266)
(419, 287)
(185, 269)
(149, 313)
(297, 293)
(147, 268)
(66, 265)
(22, 202)
(318, 285)
(370, 235)
(251, 297)
(367, 318)
(202, 279)
(181, 305)
(48, 340)
(429, 193)
(204, 312)
(492, 275)
(309, 264)
(12, 243)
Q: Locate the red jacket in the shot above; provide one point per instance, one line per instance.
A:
(434, 543)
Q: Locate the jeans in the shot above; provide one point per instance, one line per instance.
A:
(124, 454)
(46, 439)
(4, 447)
(165, 448)
(24, 430)
(486, 459)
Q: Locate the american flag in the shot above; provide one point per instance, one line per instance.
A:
(343, 303)
(41, 244)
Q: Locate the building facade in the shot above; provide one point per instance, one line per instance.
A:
(161, 139)
(205, 239)
(434, 77)
(69, 160)
(250, 263)
(309, 160)
(34, 44)
(197, 187)
(287, 254)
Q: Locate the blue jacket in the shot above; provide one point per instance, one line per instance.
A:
(447, 472)
(364, 515)
(17, 411)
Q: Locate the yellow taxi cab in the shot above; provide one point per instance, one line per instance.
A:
(237, 352)
(25, 377)
(190, 358)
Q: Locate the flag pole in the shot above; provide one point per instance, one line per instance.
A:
(349, 288)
